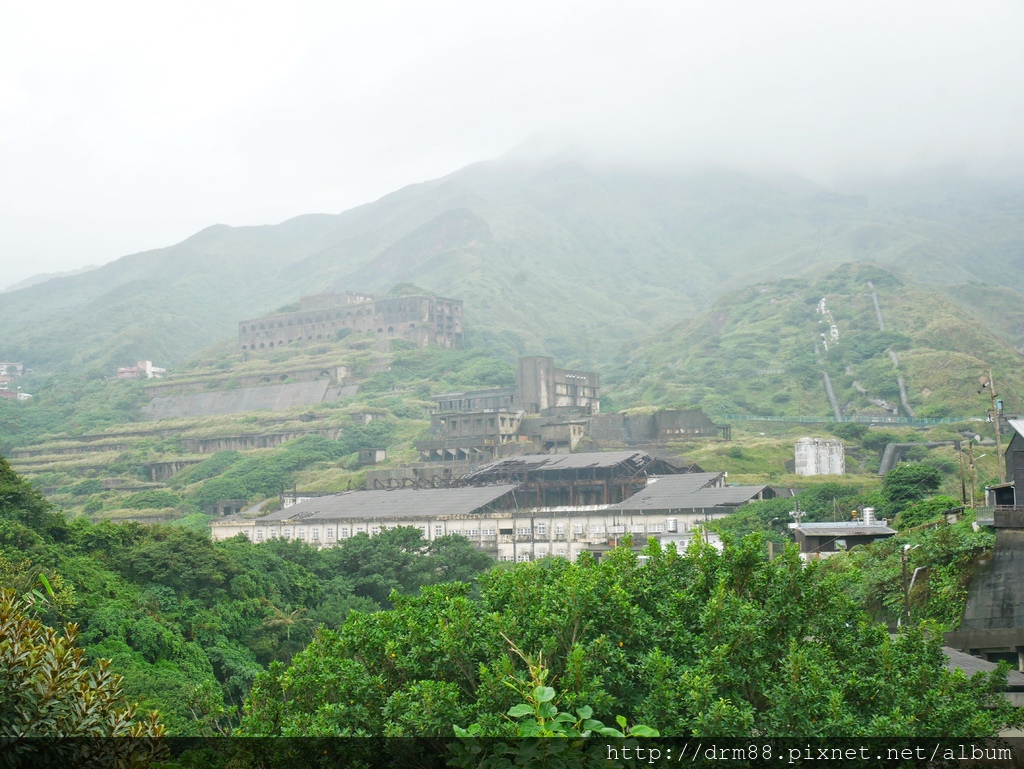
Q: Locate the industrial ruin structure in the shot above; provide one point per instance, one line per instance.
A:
(522, 508)
(423, 320)
(992, 626)
(545, 411)
(820, 456)
(549, 409)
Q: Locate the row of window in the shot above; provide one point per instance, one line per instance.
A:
(327, 318)
(541, 553)
(540, 529)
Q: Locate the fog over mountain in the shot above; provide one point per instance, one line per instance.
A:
(126, 128)
(553, 257)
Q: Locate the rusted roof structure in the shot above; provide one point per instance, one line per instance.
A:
(556, 480)
(602, 463)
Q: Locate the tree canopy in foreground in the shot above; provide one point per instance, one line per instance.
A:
(703, 643)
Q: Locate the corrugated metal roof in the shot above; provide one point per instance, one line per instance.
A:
(669, 492)
(851, 529)
(545, 462)
(399, 503)
(1018, 425)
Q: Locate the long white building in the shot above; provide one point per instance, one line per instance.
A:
(498, 519)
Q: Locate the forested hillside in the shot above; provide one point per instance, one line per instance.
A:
(562, 259)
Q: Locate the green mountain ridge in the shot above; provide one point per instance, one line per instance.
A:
(561, 259)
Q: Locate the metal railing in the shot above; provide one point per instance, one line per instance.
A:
(870, 420)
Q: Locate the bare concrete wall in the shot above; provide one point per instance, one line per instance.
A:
(268, 398)
(622, 428)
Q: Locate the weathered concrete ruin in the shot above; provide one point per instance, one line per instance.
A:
(550, 410)
(424, 320)
(276, 397)
(547, 409)
(819, 456)
(992, 626)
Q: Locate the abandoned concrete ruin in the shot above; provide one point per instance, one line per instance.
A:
(546, 409)
(992, 626)
(549, 410)
(423, 320)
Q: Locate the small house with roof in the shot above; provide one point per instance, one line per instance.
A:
(820, 540)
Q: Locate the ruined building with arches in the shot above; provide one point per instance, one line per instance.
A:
(424, 320)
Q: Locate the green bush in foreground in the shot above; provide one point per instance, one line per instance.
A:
(706, 643)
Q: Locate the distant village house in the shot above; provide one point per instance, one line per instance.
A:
(143, 369)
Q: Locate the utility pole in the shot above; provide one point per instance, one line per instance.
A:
(904, 557)
(906, 590)
(963, 482)
(970, 467)
(991, 385)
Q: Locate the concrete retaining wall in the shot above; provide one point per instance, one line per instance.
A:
(268, 398)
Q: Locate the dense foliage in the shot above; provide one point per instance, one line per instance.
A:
(48, 690)
(701, 643)
(189, 622)
(706, 643)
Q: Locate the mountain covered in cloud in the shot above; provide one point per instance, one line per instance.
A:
(555, 258)
(42, 277)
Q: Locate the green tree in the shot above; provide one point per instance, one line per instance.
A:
(48, 690)
(924, 511)
(704, 643)
(907, 483)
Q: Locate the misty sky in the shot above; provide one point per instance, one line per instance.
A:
(129, 126)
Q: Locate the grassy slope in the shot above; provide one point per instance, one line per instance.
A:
(754, 352)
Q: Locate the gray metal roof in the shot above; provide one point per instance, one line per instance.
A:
(670, 492)
(399, 503)
(1018, 425)
(535, 462)
(958, 660)
(847, 529)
